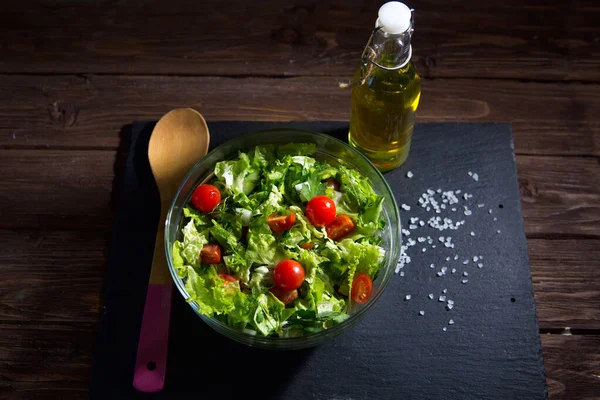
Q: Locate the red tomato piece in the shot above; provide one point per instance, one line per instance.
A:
(362, 286)
(307, 245)
(227, 278)
(320, 211)
(287, 297)
(288, 275)
(280, 223)
(210, 254)
(333, 183)
(341, 226)
(205, 198)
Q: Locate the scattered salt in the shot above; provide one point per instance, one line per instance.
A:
(409, 174)
(442, 299)
(424, 250)
(464, 281)
(444, 329)
(407, 297)
(451, 322)
(472, 233)
(453, 270)
(432, 266)
(405, 207)
(465, 273)
(431, 296)
(480, 265)
(421, 313)
(445, 291)
(465, 262)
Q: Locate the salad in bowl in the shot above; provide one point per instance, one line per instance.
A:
(279, 243)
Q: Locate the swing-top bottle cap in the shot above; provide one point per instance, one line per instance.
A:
(394, 17)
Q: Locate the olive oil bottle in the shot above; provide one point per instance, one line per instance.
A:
(387, 91)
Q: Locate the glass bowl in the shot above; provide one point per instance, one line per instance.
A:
(329, 149)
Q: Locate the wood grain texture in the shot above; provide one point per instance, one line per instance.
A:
(90, 111)
(72, 189)
(557, 191)
(566, 282)
(52, 275)
(45, 361)
(50, 361)
(536, 40)
(572, 366)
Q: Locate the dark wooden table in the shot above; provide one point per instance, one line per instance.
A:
(74, 73)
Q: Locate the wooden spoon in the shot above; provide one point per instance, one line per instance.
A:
(179, 140)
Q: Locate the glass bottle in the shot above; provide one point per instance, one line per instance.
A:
(387, 91)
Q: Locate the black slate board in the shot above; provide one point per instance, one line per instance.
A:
(492, 351)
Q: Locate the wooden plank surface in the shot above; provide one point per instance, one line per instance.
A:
(60, 189)
(572, 366)
(537, 40)
(90, 111)
(50, 361)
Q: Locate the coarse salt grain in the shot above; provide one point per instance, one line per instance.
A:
(407, 297)
(401, 273)
(432, 266)
(451, 322)
(424, 250)
(445, 291)
(480, 265)
(421, 312)
(465, 273)
(498, 231)
(490, 211)
(455, 257)
(465, 262)
(412, 227)
(481, 205)
(442, 299)
(464, 281)
(453, 270)
(422, 223)
(405, 207)
(448, 258)
(475, 258)
(472, 233)
(445, 329)
(409, 174)
(431, 296)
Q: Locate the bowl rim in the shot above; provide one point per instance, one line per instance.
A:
(236, 334)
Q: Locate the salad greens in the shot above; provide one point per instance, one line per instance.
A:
(279, 179)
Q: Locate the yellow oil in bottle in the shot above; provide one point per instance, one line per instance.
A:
(386, 91)
(382, 116)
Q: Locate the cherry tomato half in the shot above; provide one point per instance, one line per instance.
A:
(341, 226)
(288, 275)
(307, 246)
(280, 223)
(227, 278)
(205, 198)
(362, 286)
(320, 211)
(287, 297)
(333, 183)
(210, 254)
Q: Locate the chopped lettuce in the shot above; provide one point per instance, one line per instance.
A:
(263, 181)
(193, 241)
(262, 244)
(210, 292)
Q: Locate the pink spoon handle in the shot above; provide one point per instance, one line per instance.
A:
(151, 362)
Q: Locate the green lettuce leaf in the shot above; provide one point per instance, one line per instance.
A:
(262, 244)
(237, 264)
(311, 321)
(199, 218)
(193, 241)
(224, 237)
(209, 291)
(238, 176)
(178, 261)
(269, 314)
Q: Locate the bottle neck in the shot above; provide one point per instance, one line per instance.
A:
(390, 51)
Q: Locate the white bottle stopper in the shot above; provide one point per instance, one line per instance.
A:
(394, 17)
